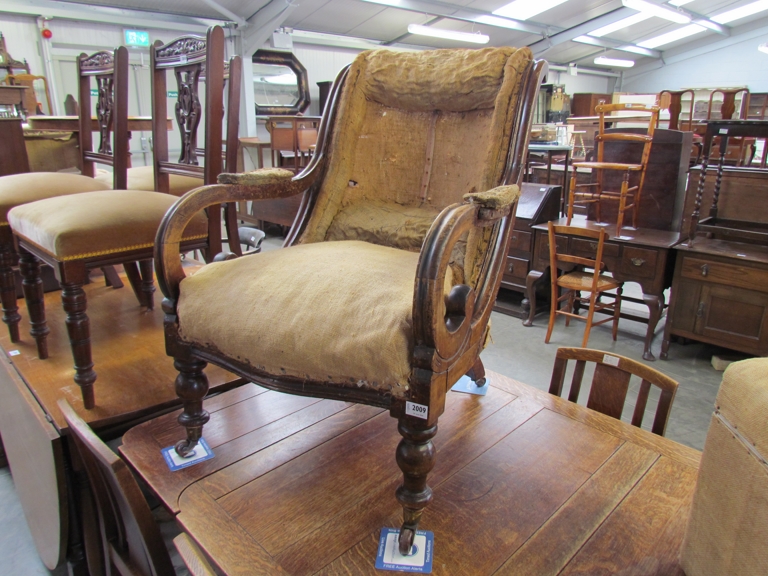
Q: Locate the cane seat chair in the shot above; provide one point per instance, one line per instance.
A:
(568, 285)
(611, 384)
(117, 226)
(384, 290)
(603, 188)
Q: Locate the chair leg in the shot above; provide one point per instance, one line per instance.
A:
(477, 373)
(79, 330)
(134, 277)
(29, 266)
(622, 202)
(590, 316)
(415, 456)
(111, 277)
(148, 283)
(617, 311)
(571, 197)
(552, 309)
(191, 387)
(11, 316)
(569, 309)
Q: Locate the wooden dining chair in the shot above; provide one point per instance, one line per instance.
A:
(575, 279)
(610, 384)
(741, 150)
(601, 189)
(119, 226)
(130, 540)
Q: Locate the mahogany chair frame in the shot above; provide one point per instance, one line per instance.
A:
(595, 191)
(727, 110)
(610, 384)
(676, 107)
(571, 291)
(449, 333)
(129, 538)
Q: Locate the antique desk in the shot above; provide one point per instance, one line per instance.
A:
(524, 483)
(643, 255)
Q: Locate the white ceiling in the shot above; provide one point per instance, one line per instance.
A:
(551, 32)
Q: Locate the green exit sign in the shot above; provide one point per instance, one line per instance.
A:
(137, 38)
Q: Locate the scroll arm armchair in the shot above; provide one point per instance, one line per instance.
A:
(385, 302)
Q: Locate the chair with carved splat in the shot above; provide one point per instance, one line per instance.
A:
(384, 291)
(116, 226)
(741, 151)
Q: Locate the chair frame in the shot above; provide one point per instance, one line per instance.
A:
(611, 383)
(598, 193)
(449, 332)
(558, 261)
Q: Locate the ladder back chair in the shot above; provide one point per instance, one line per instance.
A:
(611, 382)
(573, 281)
(598, 191)
(119, 226)
(130, 540)
(418, 154)
(109, 70)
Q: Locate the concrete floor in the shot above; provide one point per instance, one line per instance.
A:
(517, 352)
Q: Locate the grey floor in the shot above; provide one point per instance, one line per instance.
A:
(515, 351)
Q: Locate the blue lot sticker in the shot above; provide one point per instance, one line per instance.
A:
(465, 384)
(201, 453)
(419, 560)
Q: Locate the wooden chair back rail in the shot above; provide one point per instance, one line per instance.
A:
(624, 137)
(676, 107)
(728, 107)
(610, 384)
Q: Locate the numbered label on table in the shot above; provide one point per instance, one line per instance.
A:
(418, 410)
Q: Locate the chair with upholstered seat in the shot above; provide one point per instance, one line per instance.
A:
(117, 226)
(611, 383)
(576, 279)
(383, 293)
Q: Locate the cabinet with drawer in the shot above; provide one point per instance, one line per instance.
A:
(720, 296)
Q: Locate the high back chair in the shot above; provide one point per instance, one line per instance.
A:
(130, 540)
(30, 96)
(598, 191)
(119, 226)
(735, 154)
(610, 384)
(575, 279)
(675, 107)
(109, 70)
(384, 290)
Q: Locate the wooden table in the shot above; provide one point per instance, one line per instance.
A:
(13, 96)
(550, 149)
(641, 255)
(524, 483)
(72, 123)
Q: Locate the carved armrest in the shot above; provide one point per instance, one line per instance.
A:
(264, 184)
(447, 325)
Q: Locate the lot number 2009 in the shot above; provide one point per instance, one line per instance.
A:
(418, 410)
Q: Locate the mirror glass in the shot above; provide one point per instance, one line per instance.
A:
(275, 85)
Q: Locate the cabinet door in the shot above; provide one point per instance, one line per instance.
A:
(737, 317)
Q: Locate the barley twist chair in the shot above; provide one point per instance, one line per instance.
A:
(383, 293)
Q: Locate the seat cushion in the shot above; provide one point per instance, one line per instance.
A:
(143, 178)
(583, 281)
(337, 312)
(97, 223)
(19, 189)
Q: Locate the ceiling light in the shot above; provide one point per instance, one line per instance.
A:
(763, 47)
(657, 10)
(448, 34)
(743, 12)
(496, 21)
(524, 9)
(395, 3)
(624, 23)
(670, 37)
(679, 2)
(603, 61)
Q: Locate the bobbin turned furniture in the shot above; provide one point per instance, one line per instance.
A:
(375, 300)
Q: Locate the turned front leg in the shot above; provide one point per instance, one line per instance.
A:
(8, 259)
(35, 298)
(191, 387)
(79, 330)
(415, 457)
(147, 282)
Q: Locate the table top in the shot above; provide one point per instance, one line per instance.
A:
(524, 483)
(72, 123)
(549, 147)
(640, 236)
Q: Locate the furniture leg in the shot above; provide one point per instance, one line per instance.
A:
(134, 277)
(111, 277)
(191, 387)
(655, 306)
(147, 283)
(79, 330)
(617, 312)
(32, 284)
(531, 280)
(590, 316)
(622, 202)
(11, 316)
(565, 182)
(415, 456)
(477, 373)
(571, 197)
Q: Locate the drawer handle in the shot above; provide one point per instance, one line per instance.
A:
(638, 261)
(514, 236)
(704, 270)
(700, 311)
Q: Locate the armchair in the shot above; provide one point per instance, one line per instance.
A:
(383, 293)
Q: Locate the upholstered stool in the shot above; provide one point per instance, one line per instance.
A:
(728, 526)
(143, 178)
(96, 228)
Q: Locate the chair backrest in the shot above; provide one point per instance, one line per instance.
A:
(130, 539)
(636, 109)
(110, 70)
(556, 259)
(193, 58)
(610, 384)
(30, 97)
(728, 107)
(675, 107)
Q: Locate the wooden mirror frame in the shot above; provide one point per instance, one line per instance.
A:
(289, 60)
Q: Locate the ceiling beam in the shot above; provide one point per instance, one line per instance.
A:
(615, 45)
(239, 20)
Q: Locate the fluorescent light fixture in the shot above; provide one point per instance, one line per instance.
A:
(636, 50)
(603, 61)
(739, 13)
(679, 2)
(395, 3)
(496, 21)
(673, 36)
(524, 9)
(763, 47)
(624, 23)
(448, 34)
(657, 10)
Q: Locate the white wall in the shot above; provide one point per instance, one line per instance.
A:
(21, 40)
(582, 83)
(322, 63)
